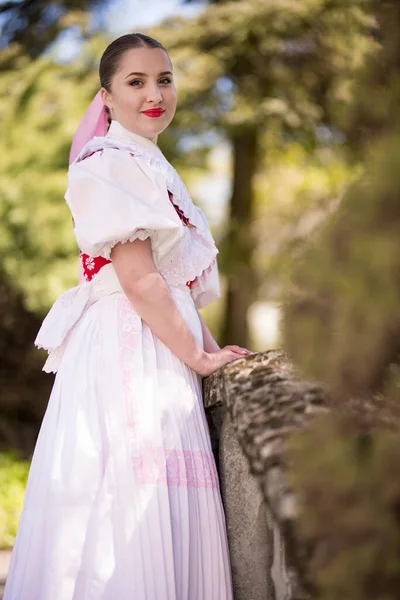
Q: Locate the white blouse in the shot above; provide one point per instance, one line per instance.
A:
(118, 191)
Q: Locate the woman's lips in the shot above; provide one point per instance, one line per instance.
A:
(154, 112)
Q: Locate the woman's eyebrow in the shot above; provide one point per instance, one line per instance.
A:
(137, 74)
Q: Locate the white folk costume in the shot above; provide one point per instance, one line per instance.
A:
(123, 501)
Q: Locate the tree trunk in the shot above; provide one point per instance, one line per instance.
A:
(238, 247)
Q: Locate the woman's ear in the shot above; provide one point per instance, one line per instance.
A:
(106, 97)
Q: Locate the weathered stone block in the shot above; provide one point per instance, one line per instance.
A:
(253, 404)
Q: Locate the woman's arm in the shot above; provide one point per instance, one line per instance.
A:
(210, 345)
(151, 298)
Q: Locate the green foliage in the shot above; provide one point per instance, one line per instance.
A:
(375, 110)
(38, 116)
(349, 491)
(342, 320)
(295, 191)
(251, 62)
(13, 478)
(342, 326)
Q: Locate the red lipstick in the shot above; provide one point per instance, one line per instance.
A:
(154, 112)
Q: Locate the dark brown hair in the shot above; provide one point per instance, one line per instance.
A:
(112, 54)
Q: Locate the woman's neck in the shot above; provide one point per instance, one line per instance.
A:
(116, 130)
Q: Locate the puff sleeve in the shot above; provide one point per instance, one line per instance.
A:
(115, 197)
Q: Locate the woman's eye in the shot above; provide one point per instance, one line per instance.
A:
(139, 83)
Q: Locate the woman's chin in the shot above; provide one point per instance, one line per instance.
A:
(154, 129)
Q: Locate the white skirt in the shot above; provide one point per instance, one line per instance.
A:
(122, 501)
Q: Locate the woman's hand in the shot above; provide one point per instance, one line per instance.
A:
(212, 361)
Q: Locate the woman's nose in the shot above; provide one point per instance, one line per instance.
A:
(154, 94)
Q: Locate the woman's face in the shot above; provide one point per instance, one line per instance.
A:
(142, 83)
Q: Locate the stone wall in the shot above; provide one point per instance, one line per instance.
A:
(252, 405)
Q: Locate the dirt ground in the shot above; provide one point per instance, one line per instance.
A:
(4, 563)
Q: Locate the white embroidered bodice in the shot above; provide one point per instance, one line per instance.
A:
(181, 254)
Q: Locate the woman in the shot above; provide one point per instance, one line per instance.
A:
(123, 501)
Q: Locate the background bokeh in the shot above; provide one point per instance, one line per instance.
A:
(286, 134)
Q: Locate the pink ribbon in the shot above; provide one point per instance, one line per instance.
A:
(94, 123)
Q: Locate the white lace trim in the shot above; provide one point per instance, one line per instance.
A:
(206, 288)
(159, 164)
(139, 234)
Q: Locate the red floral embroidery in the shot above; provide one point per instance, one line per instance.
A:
(93, 264)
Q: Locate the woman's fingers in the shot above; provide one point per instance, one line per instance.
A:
(239, 350)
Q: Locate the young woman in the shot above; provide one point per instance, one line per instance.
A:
(122, 501)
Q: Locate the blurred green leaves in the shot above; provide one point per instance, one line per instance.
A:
(341, 326)
(291, 60)
(342, 321)
(40, 105)
(13, 478)
(348, 488)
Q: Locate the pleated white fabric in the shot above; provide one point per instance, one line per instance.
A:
(122, 501)
(122, 498)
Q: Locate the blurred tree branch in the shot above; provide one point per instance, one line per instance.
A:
(34, 24)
